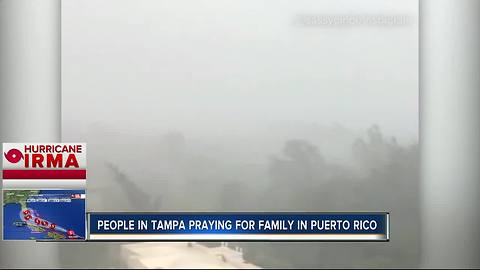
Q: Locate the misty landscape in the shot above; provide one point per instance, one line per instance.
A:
(168, 173)
(236, 106)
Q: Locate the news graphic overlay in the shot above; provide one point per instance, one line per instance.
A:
(44, 191)
(44, 161)
(44, 214)
(290, 226)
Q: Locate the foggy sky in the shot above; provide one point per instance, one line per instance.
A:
(229, 68)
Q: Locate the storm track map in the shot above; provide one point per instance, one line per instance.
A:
(43, 214)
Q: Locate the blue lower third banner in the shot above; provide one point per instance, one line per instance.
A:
(232, 226)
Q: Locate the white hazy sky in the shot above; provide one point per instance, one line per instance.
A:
(241, 65)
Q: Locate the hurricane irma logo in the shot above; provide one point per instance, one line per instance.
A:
(44, 161)
(13, 155)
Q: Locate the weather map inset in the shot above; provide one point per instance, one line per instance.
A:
(43, 214)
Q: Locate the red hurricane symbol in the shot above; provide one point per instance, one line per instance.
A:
(13, 155)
